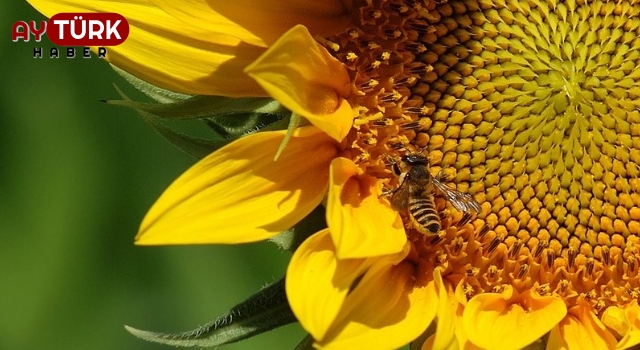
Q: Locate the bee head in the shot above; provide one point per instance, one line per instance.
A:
(415, 159)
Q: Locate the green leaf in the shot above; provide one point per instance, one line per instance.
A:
(156, 93)
(262, 312)
(200, 107)
(312, 223)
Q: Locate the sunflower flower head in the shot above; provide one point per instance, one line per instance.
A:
(531, 107)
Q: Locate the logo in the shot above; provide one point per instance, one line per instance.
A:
(75, 29)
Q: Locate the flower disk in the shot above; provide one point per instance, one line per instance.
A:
(532, 107)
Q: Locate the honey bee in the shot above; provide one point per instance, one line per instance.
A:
(415, 194)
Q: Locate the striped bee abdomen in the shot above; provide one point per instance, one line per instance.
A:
(423, 214)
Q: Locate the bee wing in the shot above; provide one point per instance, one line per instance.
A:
(400, 197)
(461, 201)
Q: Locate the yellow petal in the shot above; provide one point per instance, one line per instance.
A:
(457, 301)
(317, 283)
(615, 318)
(510, 321)
(626, 322)
(239, 194)
(445, 337)
(449, 316)
(260, 23)
(171, 53)
(390, 307)
(306, 79)
(581, 329)
(361, 224)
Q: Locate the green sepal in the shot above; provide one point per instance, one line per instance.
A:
(293, 124)
(262, 312)
(228, 117)
(291, 239)
(235, 125)
(305, 344)
(196, 147)
(201, 107)
(156, 93)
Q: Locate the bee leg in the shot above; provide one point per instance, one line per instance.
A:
(394, 165)
(442, 177)
(396, 169)
(386, 192)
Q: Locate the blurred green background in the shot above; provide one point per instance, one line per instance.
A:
(76, 178)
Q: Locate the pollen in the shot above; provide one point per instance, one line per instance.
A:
(533, 108)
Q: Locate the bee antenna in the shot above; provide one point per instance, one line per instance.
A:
(399, 146)
(389, 159)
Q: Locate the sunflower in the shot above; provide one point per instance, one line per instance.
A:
(530, 106)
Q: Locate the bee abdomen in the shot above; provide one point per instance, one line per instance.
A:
(424, 215)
